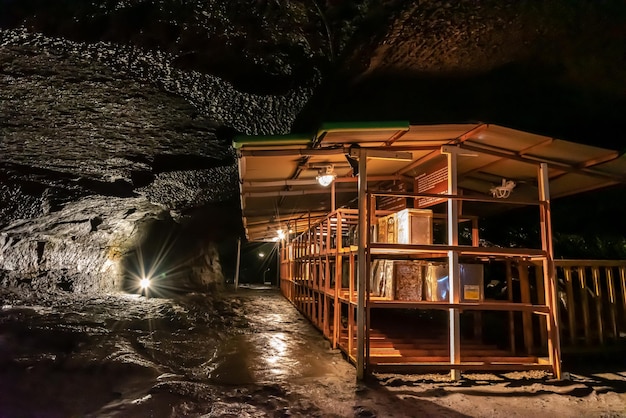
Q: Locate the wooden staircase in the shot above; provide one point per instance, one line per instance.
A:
(396, 350)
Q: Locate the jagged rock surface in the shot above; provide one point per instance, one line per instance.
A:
(114, 106)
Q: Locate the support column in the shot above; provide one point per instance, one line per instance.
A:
(279, 249)
(454, 280)
(549, 272)
(238, 263)
(361, 267)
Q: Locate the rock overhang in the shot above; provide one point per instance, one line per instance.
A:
(125, 114)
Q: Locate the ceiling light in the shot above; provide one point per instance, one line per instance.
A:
(326, 176)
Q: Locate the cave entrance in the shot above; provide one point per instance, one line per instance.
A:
(173, 257)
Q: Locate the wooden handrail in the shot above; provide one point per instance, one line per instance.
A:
(589, 263)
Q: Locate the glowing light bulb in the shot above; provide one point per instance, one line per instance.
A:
(326, 176)
(144, 283)
(325, 180)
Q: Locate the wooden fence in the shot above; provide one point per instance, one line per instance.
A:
(592, 297)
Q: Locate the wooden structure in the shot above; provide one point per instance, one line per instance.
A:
(387, 261)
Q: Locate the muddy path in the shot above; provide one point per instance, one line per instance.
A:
(245, 353)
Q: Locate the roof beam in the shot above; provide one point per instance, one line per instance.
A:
(284, 193)
(512, 155)
(285, 221)
(386, 154)
(460, 139)
(247, 185)
(500, 159)
(599, 160)
(395, 137)
(304, 152)
(419, 162)
(467, 135)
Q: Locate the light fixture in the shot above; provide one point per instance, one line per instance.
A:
(144, 283)
(503, 191)
(326, 176)
(281, 234)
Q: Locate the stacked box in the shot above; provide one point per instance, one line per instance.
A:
(381, 279)
(387, 229)
(414, 226)
(408, 226)
(397, 279)
(408, 280)
(436, 285)
(390, 228)
(472, 282)
(381, 235)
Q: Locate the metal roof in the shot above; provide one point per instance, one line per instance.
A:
(278, 173)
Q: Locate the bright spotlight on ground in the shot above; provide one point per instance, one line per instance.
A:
(144, 283)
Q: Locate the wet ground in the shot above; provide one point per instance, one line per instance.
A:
(241, 354)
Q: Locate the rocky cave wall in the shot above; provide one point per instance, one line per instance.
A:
(116, 117)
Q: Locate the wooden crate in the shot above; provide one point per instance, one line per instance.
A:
(414, 226)
(387, 230)
(381, 279)
(408, 278)
(397, 279)
(437, 282)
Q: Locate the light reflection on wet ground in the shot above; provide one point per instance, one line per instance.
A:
(246, 354)
(276, 346)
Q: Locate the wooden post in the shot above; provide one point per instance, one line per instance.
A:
(478, 315)
(327, 256)
(350, 330)
(554, 343)
(454, 280)
(541, 299)
(279, 253)
(238, 263)
(571, 313)
(336, 307)
(622, 276)
(352, 277)
(338, 280)
(509, 291)
(610, 285)
(368, 262)
(595, 274)
(522, 268)
(362, 267)
(582, 278)
(475, 233)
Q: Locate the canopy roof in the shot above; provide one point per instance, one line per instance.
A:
(278, 173)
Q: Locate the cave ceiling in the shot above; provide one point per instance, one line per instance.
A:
(140, 99)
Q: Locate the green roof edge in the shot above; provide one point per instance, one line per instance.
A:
(294, 139)
(377, 125)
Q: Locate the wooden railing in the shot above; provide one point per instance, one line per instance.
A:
(592, 297)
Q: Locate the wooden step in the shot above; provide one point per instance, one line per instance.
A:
(435, 352)
(446, 359)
